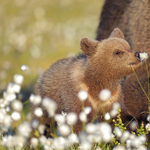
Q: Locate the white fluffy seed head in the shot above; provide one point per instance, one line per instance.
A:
(105, 131)
(34, 142)
(107, 116)
(43, 140)
(8, 109)
(73, 138)
(118, 132)
(35, 99)
(41, 128)
(82, 95)
(38, 112)
(35, 123)
(143, 56)
(104, 95)
(7, 120)
(143, 138)
(59, 118)
(24, 129)
(17, 105)
(147, 126)
(18, 79)
(13, 88)
(71, 118)
(90, 128)
(116, 106)
(113, 113)
(133, 125)
(64, 130)
(87, 110)
(16, 116)
(125, 136)
(83, 116)
(85, 146)
(24, 67)
(49, 105)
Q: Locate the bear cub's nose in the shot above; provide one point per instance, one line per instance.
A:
(137, 54)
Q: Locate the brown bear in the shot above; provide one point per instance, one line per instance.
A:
(103, 66)
(133, 18)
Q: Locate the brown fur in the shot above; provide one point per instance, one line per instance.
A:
(103, 66)
(133, 18)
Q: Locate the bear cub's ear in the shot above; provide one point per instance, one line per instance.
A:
(88, 46)
(116, 33)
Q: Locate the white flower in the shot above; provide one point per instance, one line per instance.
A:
(38, 112)
(90, 128)
(19, 141)
(59, 143)
(41, 128)
(116, 106)
(8, 109)
(43, 140)
(142, 138)
(143, 56)
(107, 116)
(71, 118)
(82, 95)
(17, 105)
(128, 143)
(118, 132)
(16, 116)
(64, 130)
(147, 126)
(136, 142)
(50, 106)
(35, 123)
(85, 146)
(73, 138)
(7, 120)
(87, 110)
(64, 113)
(106, 137)
(119, 147)
(35, 99)
(104, 95)
(142, 147)
(133, 125)
(60, 119)
(2, 115)
(9, 141)
(18, 79)
(132, 136)
(13, 88)
(105, 131)
(83, 116)
(125, 136)
(9, 97)
(24, 67)
(34, 142)
(113, 113)
(24, 129)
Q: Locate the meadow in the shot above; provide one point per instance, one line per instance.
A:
(34, 34)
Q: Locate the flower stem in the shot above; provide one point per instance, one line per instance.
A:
(147, 76)
(139, 82)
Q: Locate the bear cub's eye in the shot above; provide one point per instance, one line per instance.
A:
(118, 52)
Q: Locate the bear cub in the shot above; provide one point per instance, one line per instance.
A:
(102, 66)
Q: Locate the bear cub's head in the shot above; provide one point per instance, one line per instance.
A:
(113, 55)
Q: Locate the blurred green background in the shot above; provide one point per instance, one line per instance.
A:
(37, 33)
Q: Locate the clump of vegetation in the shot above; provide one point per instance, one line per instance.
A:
(20, 131)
